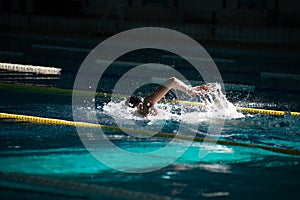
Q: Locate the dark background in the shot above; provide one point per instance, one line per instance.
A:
(253, 42)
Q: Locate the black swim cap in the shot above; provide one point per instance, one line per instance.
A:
(133, 101)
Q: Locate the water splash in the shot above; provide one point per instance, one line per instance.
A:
(215, 105)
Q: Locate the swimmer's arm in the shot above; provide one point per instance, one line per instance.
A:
(174, 83)
(201, 89)
(171, 83)
(153, 98)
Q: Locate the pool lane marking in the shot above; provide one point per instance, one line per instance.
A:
(11, 53)
(228, 86)
(60, 48)
(58, 187)
(101, 94)
(223, 60)
(279, 75)
(44, 120)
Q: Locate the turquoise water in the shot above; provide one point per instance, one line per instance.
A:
(56, 151)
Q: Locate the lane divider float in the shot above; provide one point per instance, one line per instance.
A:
(247, 110)
(30, 68)
(51, 121)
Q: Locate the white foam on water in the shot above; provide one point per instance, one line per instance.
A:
(215, 106)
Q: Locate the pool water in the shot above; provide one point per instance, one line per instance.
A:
(55, 152)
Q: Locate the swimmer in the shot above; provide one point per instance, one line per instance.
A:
(146, 106)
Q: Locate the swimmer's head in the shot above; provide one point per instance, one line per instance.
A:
(133, 101)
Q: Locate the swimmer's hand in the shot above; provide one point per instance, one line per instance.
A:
(200, 90)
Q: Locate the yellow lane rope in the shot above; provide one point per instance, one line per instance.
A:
(267, 112)
(51, 121)
(21, 87)
(247, 110)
